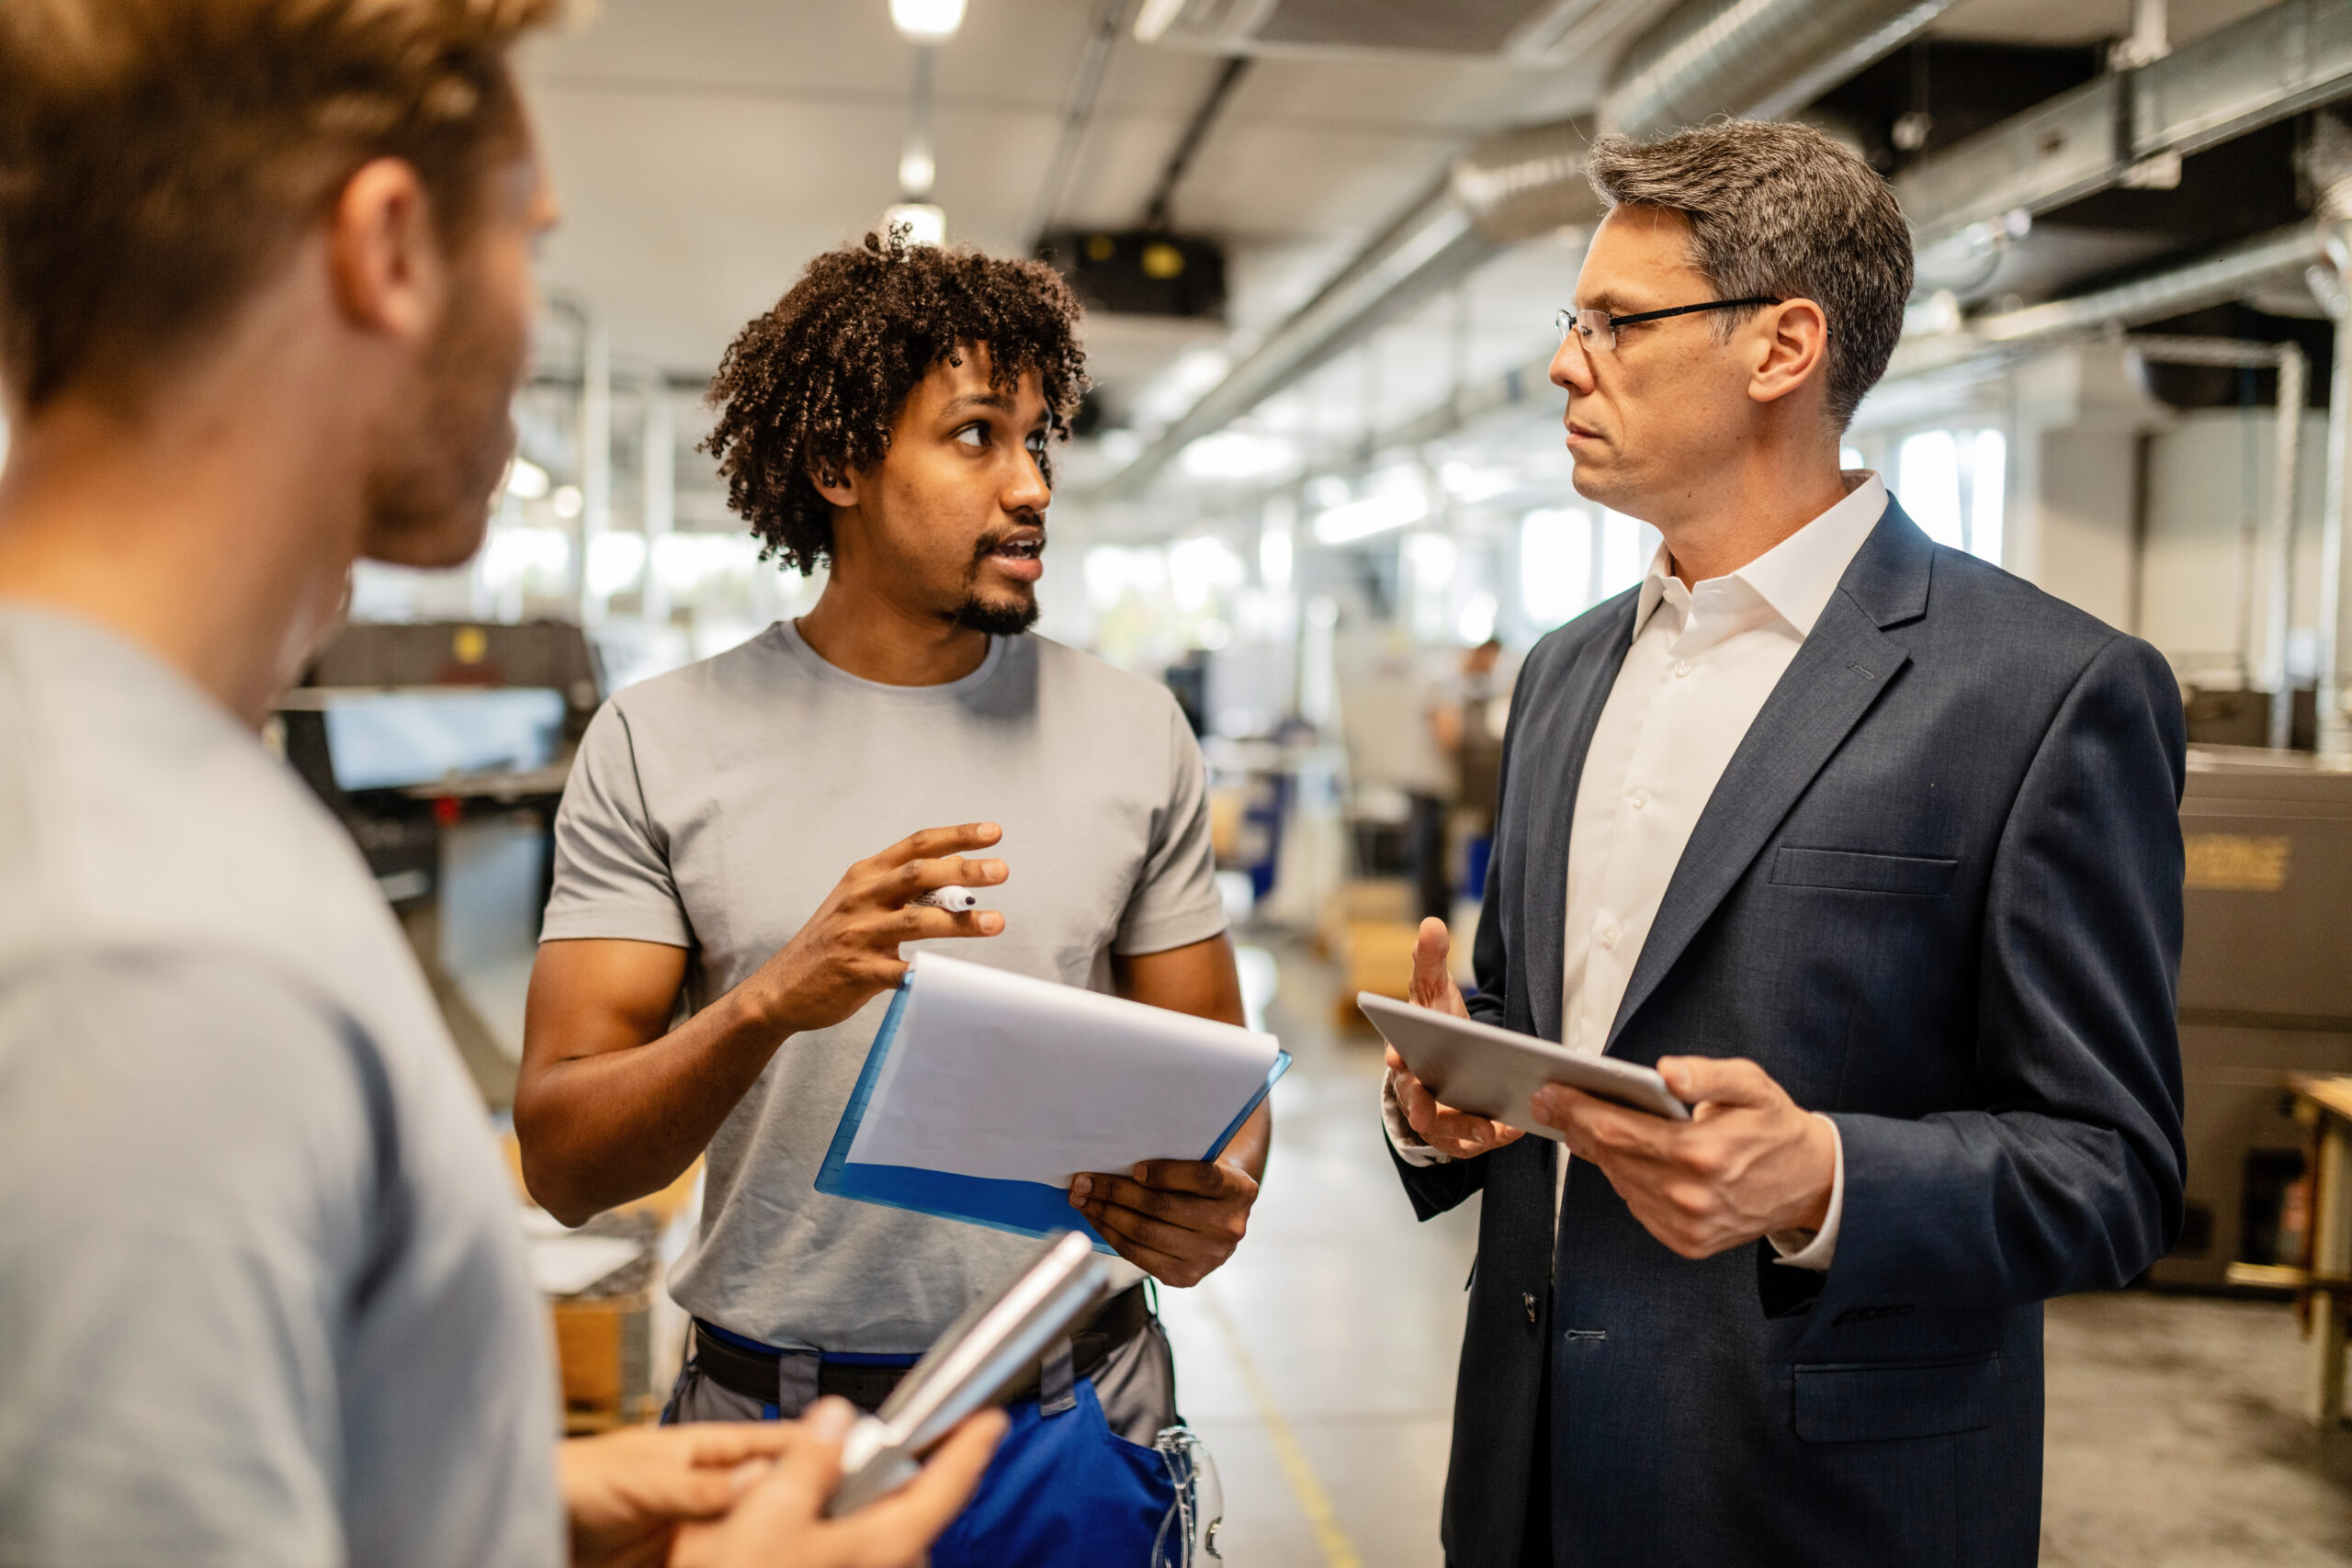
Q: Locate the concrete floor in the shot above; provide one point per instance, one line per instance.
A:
(1319, 1365)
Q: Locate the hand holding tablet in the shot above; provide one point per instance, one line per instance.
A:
(1493, 1073)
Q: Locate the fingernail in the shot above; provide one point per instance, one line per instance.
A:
(748, 1474)
(1079, 1190)
(1143, 1173)
(831, 1418)
(991, 923)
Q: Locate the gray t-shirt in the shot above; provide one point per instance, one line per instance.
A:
(263, 1298)
(714, 807)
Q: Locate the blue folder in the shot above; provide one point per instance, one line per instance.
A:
(1024, 1208)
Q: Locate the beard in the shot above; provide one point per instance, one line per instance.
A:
(997, 618)
(1008, 616)
(429, 494)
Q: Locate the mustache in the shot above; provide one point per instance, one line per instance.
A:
(989, 541)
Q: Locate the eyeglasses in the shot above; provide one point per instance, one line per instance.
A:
(1596, 330)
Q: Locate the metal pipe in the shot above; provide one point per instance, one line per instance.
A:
(1425, 251)
(2335, 733)
(2286, 456)
(1533, 179)
(2223, 275)
(1077, 114)
(2254, 72)
(1196, 131)
(1757, 58)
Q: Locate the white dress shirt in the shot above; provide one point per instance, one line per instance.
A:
(1703, 661)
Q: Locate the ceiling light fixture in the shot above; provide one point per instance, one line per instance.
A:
(927, 21)
(925, 224)
(1356, 520)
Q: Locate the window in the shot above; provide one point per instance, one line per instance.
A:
(1555, 565)
(1952, 484)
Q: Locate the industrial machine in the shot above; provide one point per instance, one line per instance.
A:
(2266, 990)
(444, 749)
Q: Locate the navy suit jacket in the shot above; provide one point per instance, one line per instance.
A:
(1938, 896)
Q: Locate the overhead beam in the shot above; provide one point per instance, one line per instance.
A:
(2257, 70)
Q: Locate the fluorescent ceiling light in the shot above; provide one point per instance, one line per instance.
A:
(927, 21)
(1469, 484)
(1237, 454)
(1373, 515)
(1156, 18)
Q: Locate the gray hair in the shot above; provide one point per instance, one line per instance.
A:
(1780, 209)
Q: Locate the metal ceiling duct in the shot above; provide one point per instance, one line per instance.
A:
(1731, 56)
(1761, 59)
(2257, 70)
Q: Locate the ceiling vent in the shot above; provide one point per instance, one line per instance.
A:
(1532, 32)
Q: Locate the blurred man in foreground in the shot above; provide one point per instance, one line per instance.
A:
(264, 298)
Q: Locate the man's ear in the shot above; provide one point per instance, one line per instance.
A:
(384, 256)
(1791, 350)
(841, 489)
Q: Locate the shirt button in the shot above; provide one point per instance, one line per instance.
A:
(1640, 798)
(1608, 936)
(1681, 668)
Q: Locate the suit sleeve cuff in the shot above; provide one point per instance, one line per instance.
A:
(1401, 1136)
(1813, 1249)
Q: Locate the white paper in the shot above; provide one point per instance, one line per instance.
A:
(1000, 1075)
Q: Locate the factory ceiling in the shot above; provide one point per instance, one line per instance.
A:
(706, 149)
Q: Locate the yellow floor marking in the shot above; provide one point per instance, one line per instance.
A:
(1338, 1551)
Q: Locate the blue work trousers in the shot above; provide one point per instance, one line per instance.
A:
(1081, 1488)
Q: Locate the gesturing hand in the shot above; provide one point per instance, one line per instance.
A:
(1750, 1163)
(1461, 1134)
(847, 952)
(1175, 1219)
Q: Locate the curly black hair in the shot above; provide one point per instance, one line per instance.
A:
(813, 386)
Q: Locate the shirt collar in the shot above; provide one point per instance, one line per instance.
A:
(1796, 576)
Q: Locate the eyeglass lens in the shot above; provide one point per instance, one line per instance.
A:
(1595, 329)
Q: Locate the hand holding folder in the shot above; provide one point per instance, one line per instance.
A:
(985, 1093)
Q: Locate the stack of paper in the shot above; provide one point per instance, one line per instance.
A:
(986, 1092)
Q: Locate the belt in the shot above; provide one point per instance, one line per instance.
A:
(754, 1374)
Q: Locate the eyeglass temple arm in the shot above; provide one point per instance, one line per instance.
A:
(1687, 309)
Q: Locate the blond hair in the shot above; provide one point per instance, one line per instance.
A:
(159, 159)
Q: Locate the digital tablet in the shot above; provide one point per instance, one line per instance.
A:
(1477, 1067)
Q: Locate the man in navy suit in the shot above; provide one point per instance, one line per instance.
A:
(1873, 850)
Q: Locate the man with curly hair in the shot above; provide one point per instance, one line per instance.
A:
(704, 982)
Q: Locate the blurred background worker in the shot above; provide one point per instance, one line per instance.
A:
(1467, 716)
(889, 419)
(264, 297)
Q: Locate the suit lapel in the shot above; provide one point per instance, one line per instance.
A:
(1836, 675)
(1555, 763)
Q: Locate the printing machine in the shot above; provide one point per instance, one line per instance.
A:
(444, 748)
(2266, 990)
